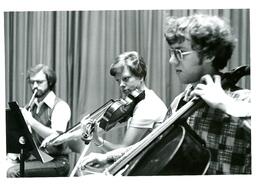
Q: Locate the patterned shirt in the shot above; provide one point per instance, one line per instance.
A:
(227, 137)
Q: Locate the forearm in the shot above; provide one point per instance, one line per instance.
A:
(68, 136)
(114, 155)
(235, 108)
(106, 145)
(132, 136)
(42, 130)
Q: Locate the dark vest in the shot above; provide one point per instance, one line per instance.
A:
(44, 117)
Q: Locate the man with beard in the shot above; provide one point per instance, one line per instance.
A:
(47, 115)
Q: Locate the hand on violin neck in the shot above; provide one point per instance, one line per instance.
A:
(87, 128)
(87, 125)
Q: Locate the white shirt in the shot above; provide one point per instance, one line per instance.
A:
(61, 113)
(148, 111)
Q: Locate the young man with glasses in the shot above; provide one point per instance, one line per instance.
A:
(200, 46)
(47, 115)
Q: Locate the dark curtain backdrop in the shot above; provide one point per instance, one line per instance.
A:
(81, 45)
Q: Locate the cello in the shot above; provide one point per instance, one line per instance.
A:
(172, 148)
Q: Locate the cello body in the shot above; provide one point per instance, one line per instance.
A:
(176, 152)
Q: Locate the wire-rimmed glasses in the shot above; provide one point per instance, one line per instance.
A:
(179, 55)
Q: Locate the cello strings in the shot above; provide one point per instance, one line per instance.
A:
(119, 164)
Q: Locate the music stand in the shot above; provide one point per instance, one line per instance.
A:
(19, 139)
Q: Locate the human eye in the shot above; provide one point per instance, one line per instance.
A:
(36, 81)
(126, 79)
(31, 82)
(40, 81)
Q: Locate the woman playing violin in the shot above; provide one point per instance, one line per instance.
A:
(200, 46)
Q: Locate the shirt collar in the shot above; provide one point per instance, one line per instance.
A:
(48, 100)
(187, 91)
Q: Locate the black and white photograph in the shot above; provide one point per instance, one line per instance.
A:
(127, 92)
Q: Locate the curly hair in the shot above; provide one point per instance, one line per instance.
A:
(49, 73)
(210, 36)
(133, 61)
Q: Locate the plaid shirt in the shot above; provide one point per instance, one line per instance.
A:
(226, 136)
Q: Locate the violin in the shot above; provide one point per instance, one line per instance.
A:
(172, 148)
(121, 110)
(108, 115)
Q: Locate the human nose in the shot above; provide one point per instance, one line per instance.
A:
(34, 85)
(122, 83)
(173, 60)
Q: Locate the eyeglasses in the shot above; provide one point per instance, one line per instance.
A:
(179, 55)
